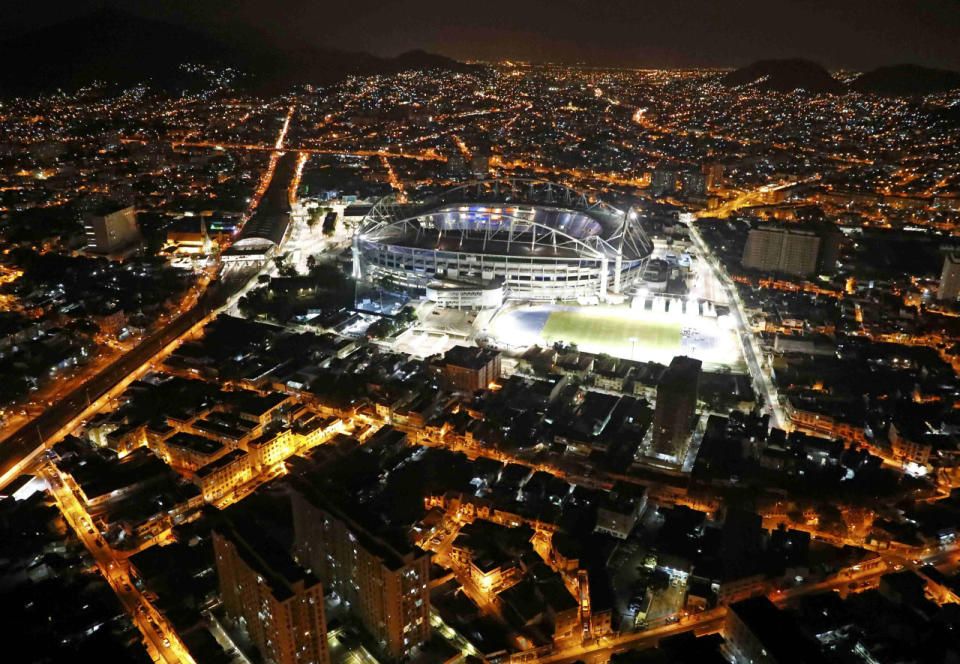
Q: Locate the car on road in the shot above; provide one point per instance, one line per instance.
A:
(127, 587)
(166, 643)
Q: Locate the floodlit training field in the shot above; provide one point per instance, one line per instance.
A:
(610, 331)
(619, 331)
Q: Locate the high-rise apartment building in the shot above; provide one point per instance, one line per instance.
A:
(829, 254)
(950, 278)
(457, 163)
(111, 229)
(673, 416)
(383, 583)
(480, 163)
(713, 172)
(757, 631)
(797, 250)
(693, 183)
(663, 181)
(279, 604)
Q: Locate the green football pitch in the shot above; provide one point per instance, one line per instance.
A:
(598, 332)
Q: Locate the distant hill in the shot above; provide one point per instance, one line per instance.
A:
(784, 76)
(906, 79)
(423, 60)
(123, 48)
(106, 45)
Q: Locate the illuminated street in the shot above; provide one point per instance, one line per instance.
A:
(606, 336)
(165, 646)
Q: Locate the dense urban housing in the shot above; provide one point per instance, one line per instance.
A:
(322, 357)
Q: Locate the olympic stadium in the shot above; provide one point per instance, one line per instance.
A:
(477, 244)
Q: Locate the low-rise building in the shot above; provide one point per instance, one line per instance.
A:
(218, 478)
(466, 369)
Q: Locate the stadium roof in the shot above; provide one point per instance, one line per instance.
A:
(517, 217)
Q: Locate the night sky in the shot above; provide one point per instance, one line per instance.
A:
(856, 34)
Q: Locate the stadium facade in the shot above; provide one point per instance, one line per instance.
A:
(532, 239)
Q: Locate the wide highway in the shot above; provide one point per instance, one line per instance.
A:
(21, 448)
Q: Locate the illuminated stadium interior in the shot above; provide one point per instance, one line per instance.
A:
(541, 240)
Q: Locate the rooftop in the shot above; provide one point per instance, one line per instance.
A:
(468, 357)
(264, 556)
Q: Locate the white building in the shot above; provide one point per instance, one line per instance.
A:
(541, 240)
(112, 229)
(950, 278)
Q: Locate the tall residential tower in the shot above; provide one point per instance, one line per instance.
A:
(796, 249)
(279, 604)
(676, 406)
(111, 229)
(950, 278)
(383, 583)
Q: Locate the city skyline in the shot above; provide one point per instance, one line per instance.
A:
(313, 356)
(856, 34)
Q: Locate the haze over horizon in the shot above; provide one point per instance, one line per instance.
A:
(854, 34)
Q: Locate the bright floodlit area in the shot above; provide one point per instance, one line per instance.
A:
(655, 330)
